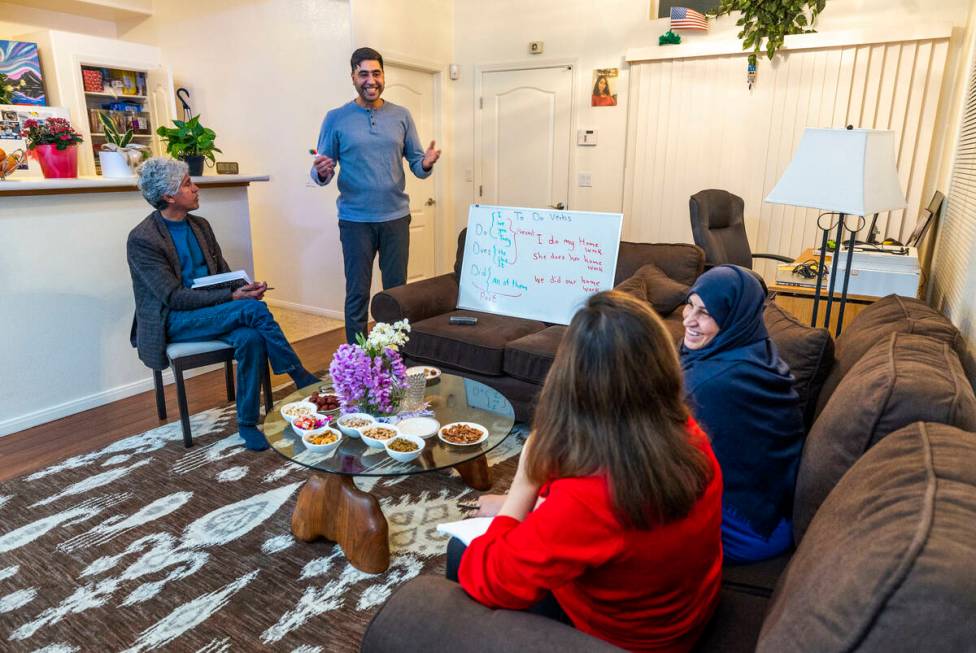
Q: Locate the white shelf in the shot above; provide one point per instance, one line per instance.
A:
(133, 136)
(120, 96)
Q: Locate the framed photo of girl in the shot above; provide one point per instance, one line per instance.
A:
(605, 87)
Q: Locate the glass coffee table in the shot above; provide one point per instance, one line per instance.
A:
(330, 505)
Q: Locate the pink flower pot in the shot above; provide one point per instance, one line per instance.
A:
(57, 164)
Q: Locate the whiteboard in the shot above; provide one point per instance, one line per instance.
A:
(538, 264)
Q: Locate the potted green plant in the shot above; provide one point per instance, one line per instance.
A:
(119, 155)
(191, 142)
(54, 143)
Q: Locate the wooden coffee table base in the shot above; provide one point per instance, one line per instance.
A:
(330, 506)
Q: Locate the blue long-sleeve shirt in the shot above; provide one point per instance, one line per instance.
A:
(368, 145)
(188, 250)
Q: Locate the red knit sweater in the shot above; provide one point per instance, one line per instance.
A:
(642, 590)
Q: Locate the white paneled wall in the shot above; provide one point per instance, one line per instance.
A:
(694, 124)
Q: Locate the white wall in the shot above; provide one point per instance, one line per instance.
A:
(597, 35)
(263, 74)
(428, 44)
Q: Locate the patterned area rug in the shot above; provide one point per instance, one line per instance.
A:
(145, 545)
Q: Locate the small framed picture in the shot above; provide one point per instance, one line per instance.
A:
(605, 87)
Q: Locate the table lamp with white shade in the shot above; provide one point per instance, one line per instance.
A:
(847, 172)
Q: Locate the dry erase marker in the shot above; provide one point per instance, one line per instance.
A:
(313, 152)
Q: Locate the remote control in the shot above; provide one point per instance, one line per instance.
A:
(465, 320)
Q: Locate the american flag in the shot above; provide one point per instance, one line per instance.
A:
(684, 18)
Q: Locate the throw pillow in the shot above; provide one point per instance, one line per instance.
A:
(903, 379)
(664, 293)
(634, 287)
(807, 350)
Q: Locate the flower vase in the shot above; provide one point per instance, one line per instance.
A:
(55, 163)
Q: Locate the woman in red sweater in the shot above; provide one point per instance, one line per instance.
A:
(615, 511)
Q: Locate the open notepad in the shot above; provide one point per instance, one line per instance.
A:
(221, 279)
(466, 529)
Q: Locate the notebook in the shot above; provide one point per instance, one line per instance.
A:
(223, 278)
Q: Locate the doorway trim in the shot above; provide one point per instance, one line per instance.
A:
(479, 72)
(445, 163)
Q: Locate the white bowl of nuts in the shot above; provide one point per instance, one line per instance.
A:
(353, 423)
(404, 448)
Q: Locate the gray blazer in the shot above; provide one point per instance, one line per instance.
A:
(158, 285)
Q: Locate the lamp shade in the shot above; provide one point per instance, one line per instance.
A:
(849, 171)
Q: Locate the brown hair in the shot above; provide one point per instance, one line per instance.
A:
(365, 54)
(612, 404)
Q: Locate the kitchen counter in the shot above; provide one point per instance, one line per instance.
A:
(67, 303)
(34, 186)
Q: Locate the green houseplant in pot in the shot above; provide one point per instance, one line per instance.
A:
(119, 155)
(191, 142)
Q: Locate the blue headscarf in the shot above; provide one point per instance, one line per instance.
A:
(734, 297)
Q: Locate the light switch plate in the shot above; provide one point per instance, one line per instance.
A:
(584, 180)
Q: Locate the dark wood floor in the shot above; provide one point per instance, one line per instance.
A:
(35, 448)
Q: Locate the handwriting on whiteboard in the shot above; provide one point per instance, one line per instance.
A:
(543, 256)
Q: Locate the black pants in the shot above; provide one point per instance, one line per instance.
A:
(360, 243)
(547, 607)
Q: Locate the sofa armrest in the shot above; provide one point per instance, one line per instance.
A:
(430, 613)
(416, 301)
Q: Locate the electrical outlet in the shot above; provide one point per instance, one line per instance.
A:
(584, 180)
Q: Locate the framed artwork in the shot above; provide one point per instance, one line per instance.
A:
(605, 87)
(20, 62)
(701, 6)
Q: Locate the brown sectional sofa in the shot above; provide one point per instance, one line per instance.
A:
(511, 354)
(885, 514)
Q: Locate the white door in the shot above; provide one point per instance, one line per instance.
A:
(526, 128)
(415, 90)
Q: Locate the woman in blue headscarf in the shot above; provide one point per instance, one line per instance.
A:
(741, 392)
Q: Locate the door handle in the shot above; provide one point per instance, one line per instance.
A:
(559, 206)
(430, 202)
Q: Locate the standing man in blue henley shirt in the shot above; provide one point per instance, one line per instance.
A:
(368, 138)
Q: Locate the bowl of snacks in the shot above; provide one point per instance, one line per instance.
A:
(353, 423)
(323, 442)
(432, 374)
(326, 402)
(376, 435)
(297, 409)
(463, 434)
(404, 448)
(422, 427)
(313, 424)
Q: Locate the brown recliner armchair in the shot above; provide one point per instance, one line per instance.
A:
(718, 228)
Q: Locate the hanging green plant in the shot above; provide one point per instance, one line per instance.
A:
(766, 23)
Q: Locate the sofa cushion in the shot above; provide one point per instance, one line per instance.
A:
(674, 323)
(887, 564)
(681, 262)
(903, 379)
(758, 578)
(808, 351)
(891, 314)
(530, 357)
(664, 293)
(478, 348)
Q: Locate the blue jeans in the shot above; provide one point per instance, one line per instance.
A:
(248, 326)
(741, 544)
(360, 242)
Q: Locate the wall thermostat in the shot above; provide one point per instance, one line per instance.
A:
(226, 168)
(535, 47)
(454, 71)
(586, 137)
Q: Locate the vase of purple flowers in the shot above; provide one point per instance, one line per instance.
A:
(370, 376)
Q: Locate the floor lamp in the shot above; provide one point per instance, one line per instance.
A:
(849, 173)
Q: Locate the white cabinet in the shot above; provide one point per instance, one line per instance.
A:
(64, 55)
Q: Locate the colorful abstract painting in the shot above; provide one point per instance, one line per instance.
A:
(19, 61)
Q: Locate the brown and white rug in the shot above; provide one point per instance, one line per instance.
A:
(145, 545)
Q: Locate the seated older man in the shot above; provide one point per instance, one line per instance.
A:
(166, 252)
